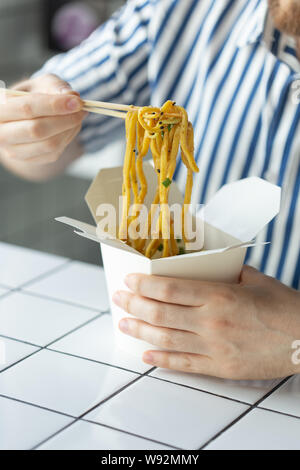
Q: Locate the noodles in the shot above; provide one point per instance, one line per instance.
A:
(164, 131)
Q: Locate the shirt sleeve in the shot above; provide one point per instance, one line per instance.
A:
(111, 65)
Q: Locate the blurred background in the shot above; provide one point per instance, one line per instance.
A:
(31, 31)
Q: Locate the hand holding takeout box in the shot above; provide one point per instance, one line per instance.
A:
(231, 220)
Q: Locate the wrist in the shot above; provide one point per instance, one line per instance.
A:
(295, 346)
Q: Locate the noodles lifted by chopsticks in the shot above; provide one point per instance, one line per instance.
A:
(164, 131)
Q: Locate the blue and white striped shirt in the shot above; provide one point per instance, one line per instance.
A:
(234, 73)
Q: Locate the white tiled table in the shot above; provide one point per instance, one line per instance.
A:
(64, 384)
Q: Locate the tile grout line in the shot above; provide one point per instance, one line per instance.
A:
(20, 288)
(18, 400)
(7, 294)
(46, 346)
(278, 412)
(80, 417)
(139, 376)
(46, 274)
(253, 407)
(135, 380)
(201, 390)
(58, 300)
(94, 361)
(4, 286)
(82, 325)
(64, 265)
(76, 328)
(145, 374)
(21, 341)
(65, 353)
(130, 433)
(20, 360)
(51, 299)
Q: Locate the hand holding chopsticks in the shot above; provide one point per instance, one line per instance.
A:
(98, 107)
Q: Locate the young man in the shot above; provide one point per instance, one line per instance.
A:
(233, 65)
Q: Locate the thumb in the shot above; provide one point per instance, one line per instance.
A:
(52, 84)
(251, 276)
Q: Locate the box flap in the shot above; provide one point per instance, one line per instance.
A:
(107, 189)
(243, 208)
(90, 232)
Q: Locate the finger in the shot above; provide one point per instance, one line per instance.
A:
(171, 290)
(54, 84)
(69, 136)
(25, 85)
(157, 313)
(165, 338)
(38, 105)
(50, 82)
(53, 145)
(49, 158)
(22, 132)
(192, 363)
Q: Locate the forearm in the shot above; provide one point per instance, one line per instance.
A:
(295, 347)
(39, 173)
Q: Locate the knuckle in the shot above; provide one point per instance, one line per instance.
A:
(26, 109)
(165, 362)
(35, 130)
(53, 76)
(217, 324)
(187, 363)
(128, 304)
(50, 76)
(137, 330)
(54, 104)
(167, 290)
(52, 144)
(224, 295)
(166, 341)
(156, 316)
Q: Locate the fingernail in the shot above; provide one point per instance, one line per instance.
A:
(73, 105)
(66, 90)
(148, 357)
(117, 298)
(124, 326)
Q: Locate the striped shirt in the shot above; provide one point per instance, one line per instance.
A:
(236, 75)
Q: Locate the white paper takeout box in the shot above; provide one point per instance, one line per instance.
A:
(233, 217)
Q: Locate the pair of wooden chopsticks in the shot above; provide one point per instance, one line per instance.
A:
(108, 109)
(97, 107)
